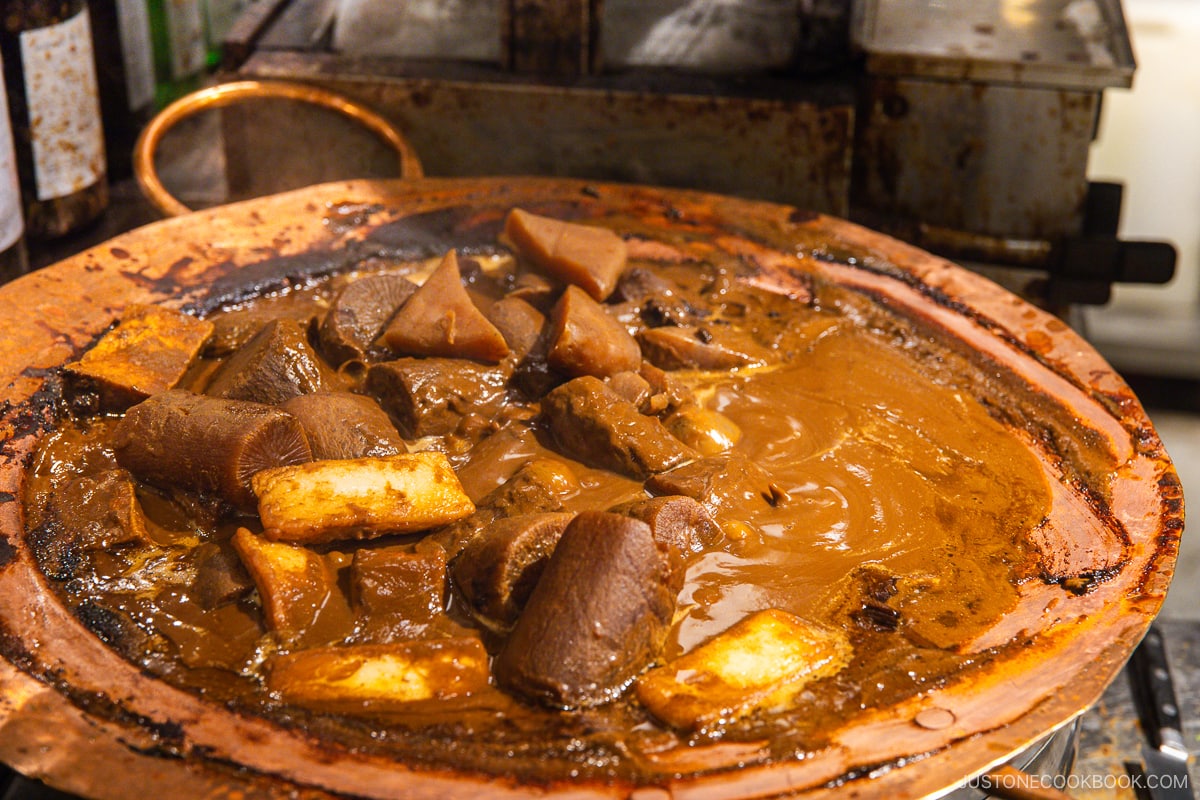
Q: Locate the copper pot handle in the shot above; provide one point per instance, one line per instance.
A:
(228, 93)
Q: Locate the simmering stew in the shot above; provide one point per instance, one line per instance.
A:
(580, 505)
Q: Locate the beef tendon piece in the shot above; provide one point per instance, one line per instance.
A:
(206, 444)
(359, 314)
(342, 425)
(296, 586)
(359, 498)
(398, 592)
(148, 352)
(707, 347)
(379, 677)
(676, 521)
(720, 482)
(273, 367)
(587, 340)
(597, 617)
(591, 422)
(431, 396)
(710, 432)
(764, 661)
(591, 258)
(498, 569)
(440, 319)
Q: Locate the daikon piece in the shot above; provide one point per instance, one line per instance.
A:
(441, 320)
(761, 662)
(360, 313)
(190, 441)
(359, 498)
(587, 340)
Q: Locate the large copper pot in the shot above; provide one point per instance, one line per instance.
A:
(74, 713)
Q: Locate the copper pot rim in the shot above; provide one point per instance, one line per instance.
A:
(91, 723)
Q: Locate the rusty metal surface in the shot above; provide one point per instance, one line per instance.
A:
(73, 712)
(1002, 161)
(550, 37)
(1056, 44)
(786, 150)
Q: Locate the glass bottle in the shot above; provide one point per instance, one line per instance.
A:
(58, 138)
(13, 259)
(180, 50)
(125, 73)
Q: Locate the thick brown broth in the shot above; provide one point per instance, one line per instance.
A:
(889, 473)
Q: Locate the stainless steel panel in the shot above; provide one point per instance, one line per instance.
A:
(1070, 44)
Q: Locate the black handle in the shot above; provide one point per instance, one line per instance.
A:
(1152, 674)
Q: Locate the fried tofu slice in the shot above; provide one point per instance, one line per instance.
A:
(359, 498)
(148, 352)
(380, 677)
(760, 662)
(295, 585)
(592, 258)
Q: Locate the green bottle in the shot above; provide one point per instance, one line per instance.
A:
(180, 53)
(54, 105)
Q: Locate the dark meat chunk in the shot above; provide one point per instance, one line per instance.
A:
(519, 323)
(431, 396)
(148, 352)
(714, 347)
(234, 328)
(541, 484)
(498, 569)
(591, 422)
(597, 617)
(220, 576)
(345, 425)
(666, 390)
(440, 319)
(589, 257)
(586, 340)
(525, 330)
(276, 365)
(631, 387)
(676, 521)
(718, 482)
(99, 512)
(205, 444)
(536, 289)
(398, 592)
(359, 314)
